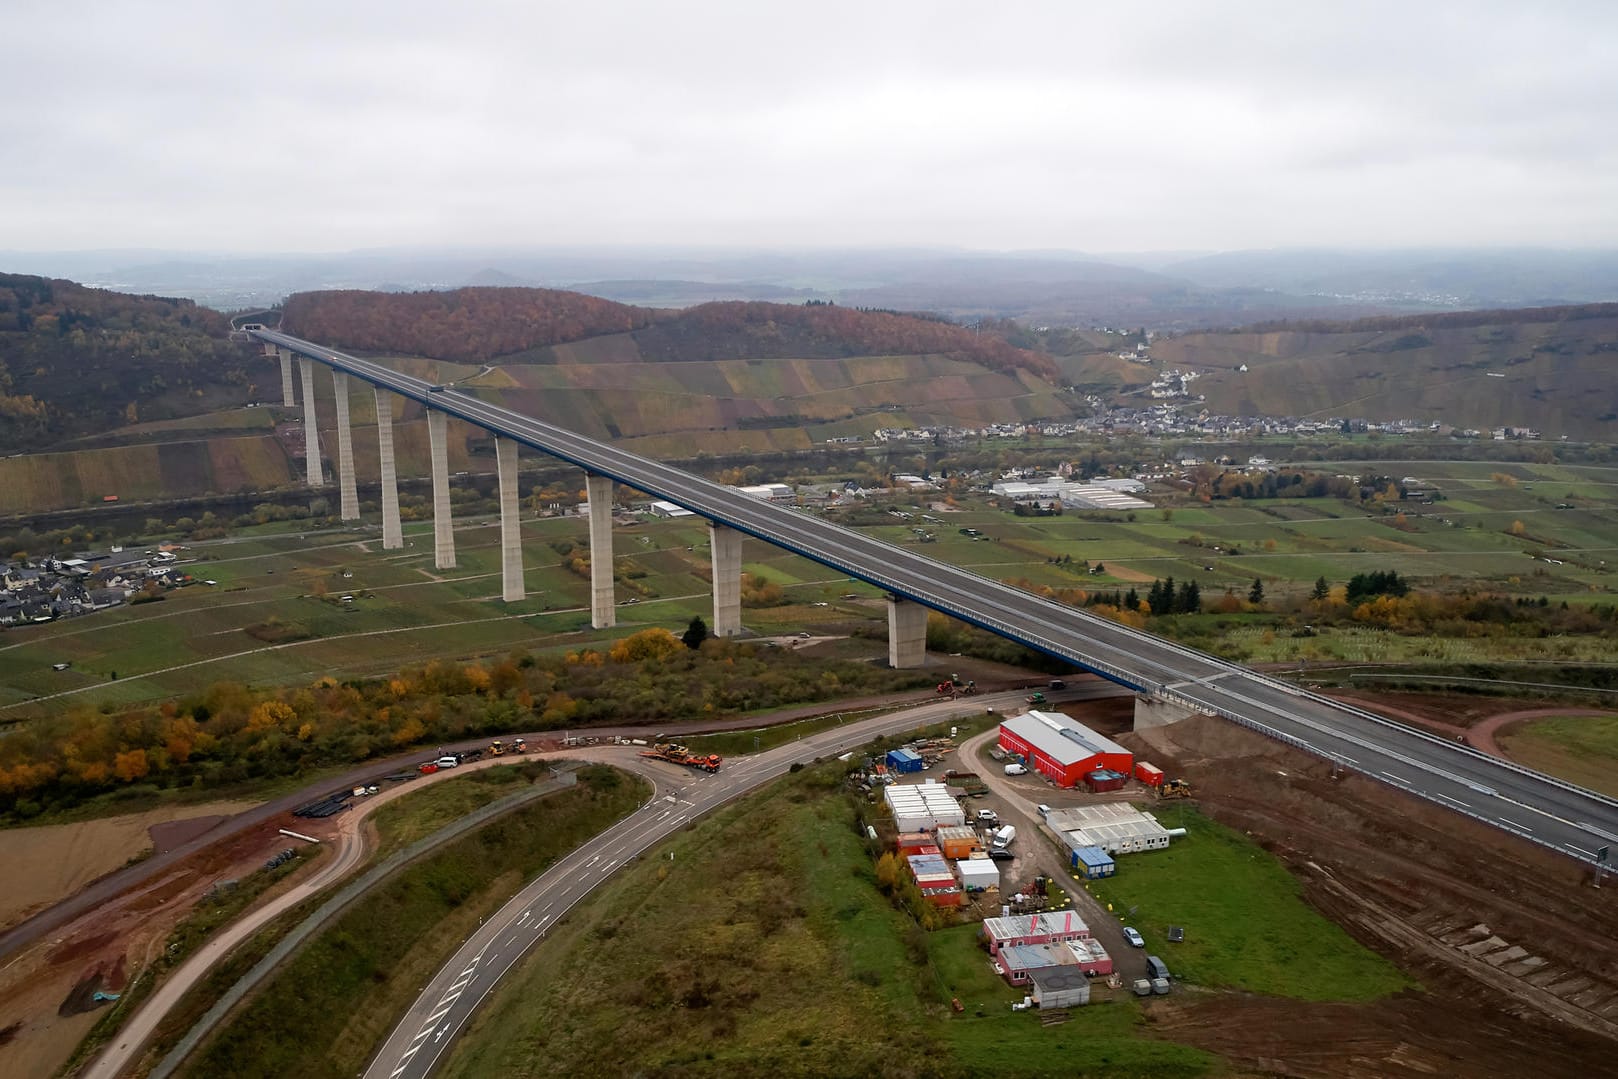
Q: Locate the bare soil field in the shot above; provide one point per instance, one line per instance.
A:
(46, 864)
(44, 987)
(1517, 953)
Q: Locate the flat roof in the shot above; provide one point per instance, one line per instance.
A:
(1047, 923)
(1060, 738)
(1056, 979)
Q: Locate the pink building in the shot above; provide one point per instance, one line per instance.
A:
(1051, 927)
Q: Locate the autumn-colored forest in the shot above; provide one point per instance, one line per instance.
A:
(475, 325)
(233, 733)
(76, 361)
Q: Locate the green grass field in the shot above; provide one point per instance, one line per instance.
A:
(1580, 749)
(1246, 924)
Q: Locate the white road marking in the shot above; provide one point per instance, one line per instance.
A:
(1397, 779)
(1581, 850)
(1514, 824)
(1453, 801)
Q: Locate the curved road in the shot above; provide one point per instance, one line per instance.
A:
(1570, 819)
(431, 1024)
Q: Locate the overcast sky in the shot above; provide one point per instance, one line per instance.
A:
(1071, 124)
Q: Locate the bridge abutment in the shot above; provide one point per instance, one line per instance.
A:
(725, 547)
(347, 494)
(599, 491)
(907, 634)
(392, 532)
(511, 577)
(1156, 712)
(311, 432)
(443, 522)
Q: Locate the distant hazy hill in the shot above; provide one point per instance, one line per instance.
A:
(76, 361)
(1553, 369)
(479, 325)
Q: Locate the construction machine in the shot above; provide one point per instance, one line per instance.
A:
(519, 745)
(1174, 788)
(497, 748)
(678, 754)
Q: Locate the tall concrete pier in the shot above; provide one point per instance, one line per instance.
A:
(443, 523)
(288, 397)
(505, 458)
(907, 634)
(311, 433)
(392, 533)
(599, 491)
(348, 495)
(725, 547)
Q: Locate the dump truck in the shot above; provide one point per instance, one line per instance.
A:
(678, 754)
(1174, 788)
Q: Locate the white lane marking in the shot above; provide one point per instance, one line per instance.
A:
(592, 861)
(1532, 809)
(1347, 758)
(1581, 850)
(1397, 779)
(1514, 824)
(1455, 801)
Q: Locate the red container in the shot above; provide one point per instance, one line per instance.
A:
(1149, 774)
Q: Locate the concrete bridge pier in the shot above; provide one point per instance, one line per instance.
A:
(443, 522)
(599, 491)
(288, 397)
(725, 544)
(1153, 711)
(505, 458)
(392, 533)
(311, 432)
(907, 634)
(348, 495)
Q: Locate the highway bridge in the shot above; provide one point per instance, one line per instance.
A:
(1559, 815)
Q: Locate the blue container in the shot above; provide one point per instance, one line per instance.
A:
(1093, 862)
(904, 760)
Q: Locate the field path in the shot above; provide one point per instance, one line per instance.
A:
(1482, 735)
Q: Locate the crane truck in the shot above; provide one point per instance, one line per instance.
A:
(678, 754)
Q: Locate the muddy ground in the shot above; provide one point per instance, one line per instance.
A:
(1517, 953)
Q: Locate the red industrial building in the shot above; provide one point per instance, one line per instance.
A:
(1058, 747)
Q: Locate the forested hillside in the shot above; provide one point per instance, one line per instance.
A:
(76, 361)
(519, 324)
(470, 325)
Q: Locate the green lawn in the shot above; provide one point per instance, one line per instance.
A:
(1246, 924)
(1579, 749)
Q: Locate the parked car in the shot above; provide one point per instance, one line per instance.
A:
(447, 761)
(1134, 938)
(989, 817)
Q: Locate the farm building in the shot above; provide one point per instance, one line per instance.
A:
(904, 761)
(1051, 927)
(1116, 827)
(1059, 748)
(1059, 987)
(1093, 862)
(978, 873)
(921, 807)
(958, 840)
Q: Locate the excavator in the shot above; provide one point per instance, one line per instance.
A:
(678, 754)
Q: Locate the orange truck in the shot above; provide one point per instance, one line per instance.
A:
(678, 754)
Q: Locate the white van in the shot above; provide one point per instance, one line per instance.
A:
(1004, 838)
(1015, 769)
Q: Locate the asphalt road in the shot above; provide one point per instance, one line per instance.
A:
(430, 1026)
(1575, 821)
